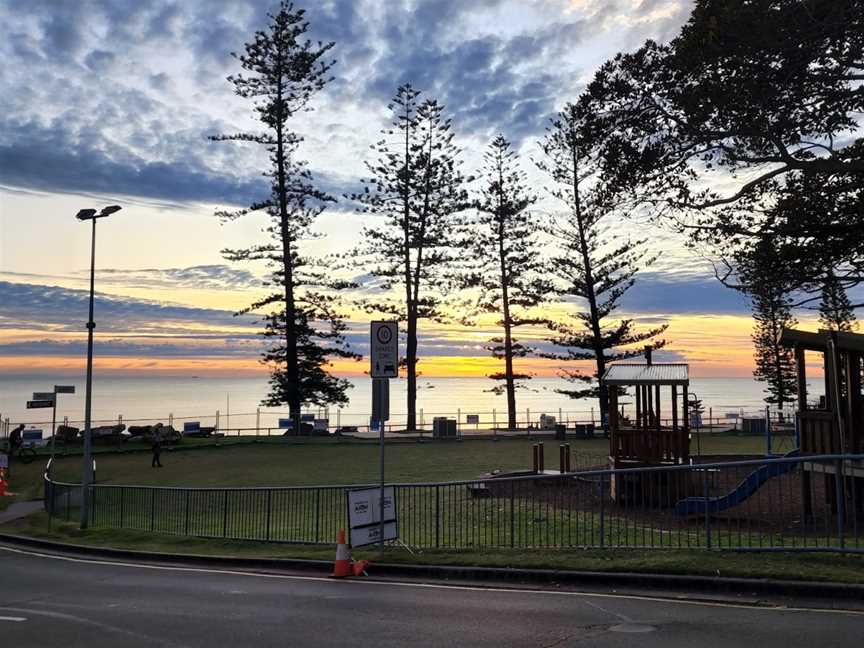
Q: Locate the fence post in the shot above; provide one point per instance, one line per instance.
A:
(512, 517)
(459, 422)
(707, 513)
(437, 516)
(122, 507)
(840, 494)
(257, 421)
(152, 509)
(269, 510)
(528, 420)
(602, 510)
(318, 513)
(225, 514)
(186, 513)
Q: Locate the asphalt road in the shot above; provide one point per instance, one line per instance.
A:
(61, 601)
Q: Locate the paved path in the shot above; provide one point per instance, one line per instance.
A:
(19, 510)
(63, 601)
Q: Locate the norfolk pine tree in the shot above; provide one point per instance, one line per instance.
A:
(503, 263)
(594, 266)
(835, 309)
(415, 191)
(283, 72)
(763, 279)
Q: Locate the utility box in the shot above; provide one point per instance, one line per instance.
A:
(443, 428)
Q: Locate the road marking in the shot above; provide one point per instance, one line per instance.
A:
(15, 619)
(464, 588)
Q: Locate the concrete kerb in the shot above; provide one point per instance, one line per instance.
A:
(489, 575)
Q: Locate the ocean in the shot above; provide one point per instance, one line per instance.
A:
(152, 399)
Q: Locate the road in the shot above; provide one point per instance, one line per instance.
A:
(50, 600)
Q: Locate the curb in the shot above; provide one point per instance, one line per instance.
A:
(669, 582)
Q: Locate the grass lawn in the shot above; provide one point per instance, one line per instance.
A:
(810, 566)
(277, 462)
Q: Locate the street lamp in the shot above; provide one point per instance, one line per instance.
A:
(87, 468)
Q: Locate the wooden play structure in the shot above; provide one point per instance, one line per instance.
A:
(655, 436)
(836, 424)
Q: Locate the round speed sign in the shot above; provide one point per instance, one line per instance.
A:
(384, 334)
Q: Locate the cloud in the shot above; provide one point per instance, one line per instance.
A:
(119, 97)
(52, 308)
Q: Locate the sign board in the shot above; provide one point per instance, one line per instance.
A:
(384, 350)
(31, 436)
(49, 396)
(372, 534)
(64, 389)
(472, 419)
(380, 400)
(364, 518)
(286, 424)
(321, 425)
(39, 404)
(192, 426)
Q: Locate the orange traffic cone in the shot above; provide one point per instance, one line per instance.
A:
(342, 566)
(359, 567)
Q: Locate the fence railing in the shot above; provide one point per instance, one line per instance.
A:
(790, 504)
(468, 423)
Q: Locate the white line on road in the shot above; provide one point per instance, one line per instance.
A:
(16, 619)
(464, 588)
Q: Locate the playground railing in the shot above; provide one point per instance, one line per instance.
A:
(811, 503)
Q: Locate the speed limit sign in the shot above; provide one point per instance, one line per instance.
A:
(384, 350)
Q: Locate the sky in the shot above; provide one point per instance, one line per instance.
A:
(106, 102)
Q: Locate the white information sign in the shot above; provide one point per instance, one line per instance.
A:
(371, 534)
(384, 350)
(364, 518)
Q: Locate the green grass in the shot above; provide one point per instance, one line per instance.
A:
(787, 566)
(280, 462)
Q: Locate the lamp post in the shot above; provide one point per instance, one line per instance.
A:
(87, 468)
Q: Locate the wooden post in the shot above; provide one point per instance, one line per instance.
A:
(638, 391)
(674, 409)
(801, 370)
(613, 421)
(657, 399)
(685, 435)
(853, 402)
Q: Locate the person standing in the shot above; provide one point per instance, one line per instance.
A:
(15, 440)
(156, 448)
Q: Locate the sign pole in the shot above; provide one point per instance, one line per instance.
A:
(383, 365)
(384, 385)
(53, 426)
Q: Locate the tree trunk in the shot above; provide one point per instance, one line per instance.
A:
(591, 296)
(508, 328)
(411, 337)
(292, 370)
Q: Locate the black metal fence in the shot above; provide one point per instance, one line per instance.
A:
(789, 504)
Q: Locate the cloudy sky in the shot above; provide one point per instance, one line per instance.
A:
(113, 101)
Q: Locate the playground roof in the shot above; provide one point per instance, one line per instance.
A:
(645, 374)
(819, 341)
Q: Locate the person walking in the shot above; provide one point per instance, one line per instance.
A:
(156, 448)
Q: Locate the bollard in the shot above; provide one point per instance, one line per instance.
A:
(536, 457)
(567, 457)
(541, 462)
(562, 464)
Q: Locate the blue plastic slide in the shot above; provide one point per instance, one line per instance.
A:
(745, 489)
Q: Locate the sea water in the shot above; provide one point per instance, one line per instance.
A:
(237, 400)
